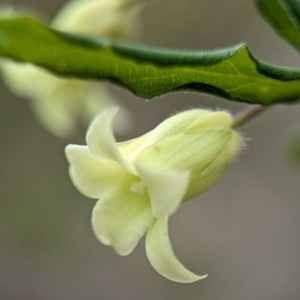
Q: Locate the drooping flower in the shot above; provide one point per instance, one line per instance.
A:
(59, 103)
(117, 19)
(141, 182)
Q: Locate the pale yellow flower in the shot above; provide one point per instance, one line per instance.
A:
(117, 19)
(59, 103)
(143, 181)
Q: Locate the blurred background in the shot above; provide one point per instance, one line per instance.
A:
(244, 232)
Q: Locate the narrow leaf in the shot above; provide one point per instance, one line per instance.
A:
(284, 16)
(231, 73)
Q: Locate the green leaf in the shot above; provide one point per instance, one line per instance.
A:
(231, 73)
(284, 16)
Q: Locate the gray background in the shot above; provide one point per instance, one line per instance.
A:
(244, 232)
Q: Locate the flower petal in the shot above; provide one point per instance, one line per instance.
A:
(95, 98)
(221, 161)
(93, 178)
(26, 80)
(121, 217)
(161, 256)
(166, 188)
(216, 120)
(101, 141)
(132, 147)
(54, 116)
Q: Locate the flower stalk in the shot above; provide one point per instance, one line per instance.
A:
(247, 115)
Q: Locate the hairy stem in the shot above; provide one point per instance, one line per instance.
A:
(248, 114)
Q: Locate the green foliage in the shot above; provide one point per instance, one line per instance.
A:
(231, 73)
(284, 16)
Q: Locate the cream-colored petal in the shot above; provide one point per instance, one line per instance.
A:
(101, 141)
(224, 158)
(166, 188)
(134, 145)
(161, 256)
(93, 178)
(29, 81)
(53, 116)
(216, 120)
(75, 16)
(96, 97)
(115, 19)
(121, 217)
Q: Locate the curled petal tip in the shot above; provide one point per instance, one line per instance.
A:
(161, 256)
(101, 140)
